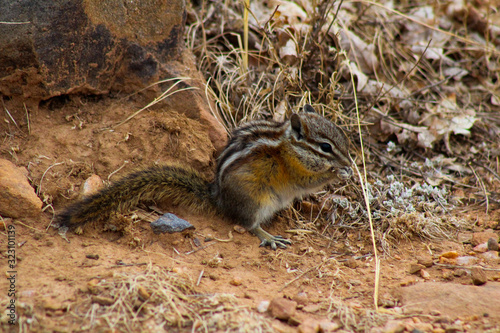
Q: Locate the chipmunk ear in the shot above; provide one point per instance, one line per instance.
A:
(296, 126)
(309, 108)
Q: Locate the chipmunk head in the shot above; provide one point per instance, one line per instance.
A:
(320, 145)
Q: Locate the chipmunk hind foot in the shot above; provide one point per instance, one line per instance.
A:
(269, 240)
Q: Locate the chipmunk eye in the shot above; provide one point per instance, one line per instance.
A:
(326, 147)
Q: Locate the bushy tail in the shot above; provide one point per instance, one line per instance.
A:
(182, 186)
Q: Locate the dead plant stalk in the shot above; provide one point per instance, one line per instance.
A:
(363, 180)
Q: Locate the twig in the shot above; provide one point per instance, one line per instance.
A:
(482, 187)
(486, 168)
(27, 118)
(123, 165)
(14, 23)
(230, 239)
(128, 265)
(10, 116)
(199, 277)
(431, 85)
(300, 276)
(158, 99)
(199, 249)
(39, 190)
(333, 20)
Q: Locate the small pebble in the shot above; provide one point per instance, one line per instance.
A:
(394, 326)
(102, 300)
(490, 255)
(483, 236)
(478, 276)
(92, 185)
(447, 275)
(239, 229)
(415, 268)
(460, 272)
(301, 298)
(425, 275)
(481, 248)
(327, 326)
(236, 281)
(282, 308)
(425, 260)
(354, 282)
(311, 308)
(467, 260)
(263, 306)
(351, 263)
(170, 223)
(408, 281)
(92, 256)
(143, 293)
(51, 304)
(449, 255)
(309, 325)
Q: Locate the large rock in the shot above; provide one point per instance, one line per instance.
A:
(68, 46)
(452, 300)
(17, 197)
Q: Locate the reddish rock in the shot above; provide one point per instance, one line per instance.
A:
(490, 256)
(394, 326)
(282, 308)
(309, 325)
(449, 255)
(326, 326)
(17, 197)
(483, 236)
(415, 268)
(425, 275)
(301, 298)
(407, 281)
(478, 276)
(493, 244)
(92, 185)
(425, 260)
(236, 281)
(481, 248)
(467, 260)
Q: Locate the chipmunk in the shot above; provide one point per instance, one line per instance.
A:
(264, 167)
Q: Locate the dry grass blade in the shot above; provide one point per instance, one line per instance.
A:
(364, 181)
(169, 92)
(156, 298)
(245, 36)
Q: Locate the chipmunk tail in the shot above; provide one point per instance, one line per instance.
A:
(178, 185)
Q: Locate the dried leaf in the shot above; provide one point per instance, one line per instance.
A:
(359, 51)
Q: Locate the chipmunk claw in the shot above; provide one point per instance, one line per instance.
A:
(269, 240)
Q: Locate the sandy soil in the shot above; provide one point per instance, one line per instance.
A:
(68, 140)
